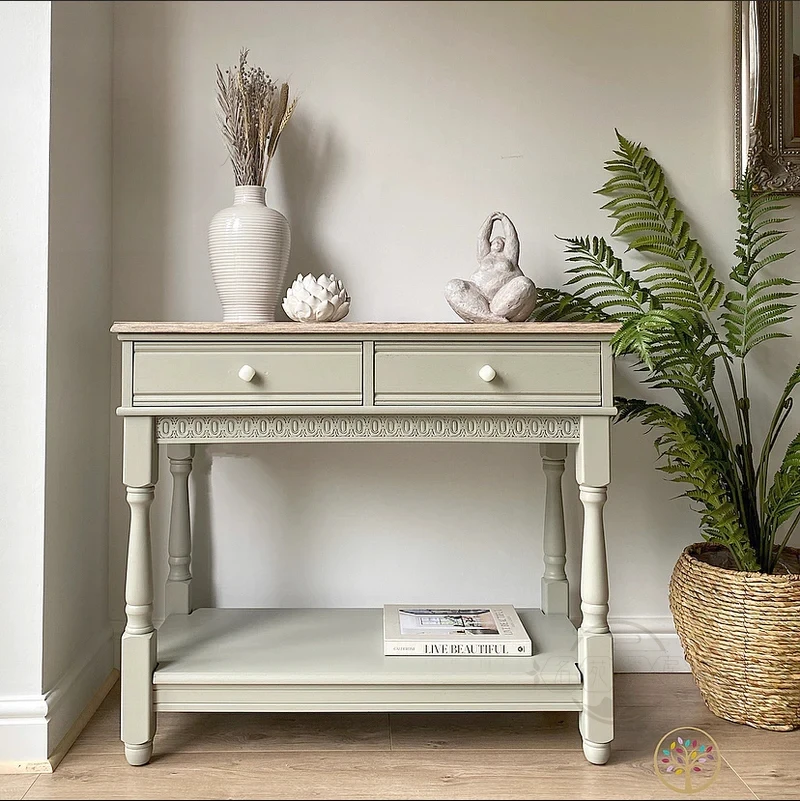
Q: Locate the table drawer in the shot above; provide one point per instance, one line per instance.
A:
(182, 374)
(545, 374)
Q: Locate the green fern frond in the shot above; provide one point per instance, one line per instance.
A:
(644, 208)
(555, 306)
(752, 314)
(600, 279)
(673, 325)
(662, 338)
(690, 461)
(783, 499)
(677, 348)
(784, 496)
(779, 417)
(794, 380)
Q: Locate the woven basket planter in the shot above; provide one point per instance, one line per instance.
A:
(740, 632)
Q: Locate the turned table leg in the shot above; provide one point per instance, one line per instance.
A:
(595, 657)
(555, 589)
(140, 473)
(178, 600)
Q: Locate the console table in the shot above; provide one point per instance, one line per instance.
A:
(189, 383)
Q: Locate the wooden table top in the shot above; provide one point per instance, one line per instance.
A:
(362, 328)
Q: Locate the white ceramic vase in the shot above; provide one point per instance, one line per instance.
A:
(248, 247)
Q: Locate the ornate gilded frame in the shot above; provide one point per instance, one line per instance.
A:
(763, 122)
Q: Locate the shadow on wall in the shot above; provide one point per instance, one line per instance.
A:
(310, 157)
(280, 543)
(142, 151)
(202, 549)
(314, 519)
(143, 148)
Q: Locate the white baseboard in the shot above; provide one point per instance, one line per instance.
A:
(23, 733)
(75, 688)
(60, 751)
(33, 727)
(646, 645)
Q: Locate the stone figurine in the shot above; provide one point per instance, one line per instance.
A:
(498, 291)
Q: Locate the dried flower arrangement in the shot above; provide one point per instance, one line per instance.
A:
(254, 110)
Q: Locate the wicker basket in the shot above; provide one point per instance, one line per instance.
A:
(740, 632)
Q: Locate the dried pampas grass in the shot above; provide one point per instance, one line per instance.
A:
(254, 110)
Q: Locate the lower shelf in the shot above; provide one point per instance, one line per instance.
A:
(332, 660)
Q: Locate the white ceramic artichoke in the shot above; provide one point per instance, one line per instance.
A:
(316, 300)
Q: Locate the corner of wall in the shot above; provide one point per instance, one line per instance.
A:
(35, 728)
(73, 692)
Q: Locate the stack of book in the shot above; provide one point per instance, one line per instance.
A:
(448, 631)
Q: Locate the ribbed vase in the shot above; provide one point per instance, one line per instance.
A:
(248, 247)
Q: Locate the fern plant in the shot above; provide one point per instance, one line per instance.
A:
(694, 336)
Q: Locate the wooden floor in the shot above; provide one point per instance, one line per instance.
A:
(441, 756)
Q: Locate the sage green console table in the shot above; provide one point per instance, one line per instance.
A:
(189, 383)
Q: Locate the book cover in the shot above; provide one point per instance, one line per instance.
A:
(454, 631)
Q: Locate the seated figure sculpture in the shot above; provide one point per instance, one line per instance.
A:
(498, 291)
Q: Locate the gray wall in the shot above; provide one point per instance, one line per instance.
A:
(25, 66)
(416, 120)
(78, 651)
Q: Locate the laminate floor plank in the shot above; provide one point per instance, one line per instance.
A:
(403, 755)
(375, 775)
(648, 689)
(241, 732)
(15, 785)
(647, 707)
(769, 773)
(639, 726)
(485, 731)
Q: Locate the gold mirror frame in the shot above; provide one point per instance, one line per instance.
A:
(766, 138)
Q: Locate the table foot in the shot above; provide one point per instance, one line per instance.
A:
(138, 754)
(596, 753)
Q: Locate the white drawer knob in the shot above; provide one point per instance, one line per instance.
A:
(487, 373)
(247, 373)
